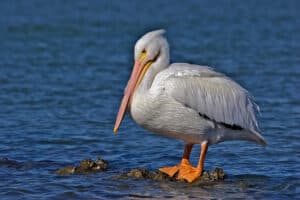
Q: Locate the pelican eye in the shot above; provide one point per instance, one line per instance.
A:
(143, 54)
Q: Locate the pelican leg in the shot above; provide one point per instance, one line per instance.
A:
(190, 174)
(185, 163)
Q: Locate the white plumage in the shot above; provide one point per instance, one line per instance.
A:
(185, 101)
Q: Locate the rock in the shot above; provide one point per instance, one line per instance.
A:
(210, 177)
(91, 166)
(138, 173)
(159, 176)
(101, 163)
(217, 174)
(206, 177)
(66, 171)
(5, 162)
(86, 166)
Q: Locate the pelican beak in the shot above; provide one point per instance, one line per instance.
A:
(139, 69)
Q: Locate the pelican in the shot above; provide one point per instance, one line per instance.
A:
(185, 101)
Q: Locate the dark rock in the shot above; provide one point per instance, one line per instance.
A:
(102, 164)
(206, 177)
(138, 173)
(5, 162)
(66, 171)
(91, 166)
(159, 176)
(210, 177)
(86, 166)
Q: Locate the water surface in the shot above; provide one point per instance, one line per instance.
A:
(63, 68)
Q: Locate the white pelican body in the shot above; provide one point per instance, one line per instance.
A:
(188, 102)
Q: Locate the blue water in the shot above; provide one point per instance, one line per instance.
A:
(63, 68)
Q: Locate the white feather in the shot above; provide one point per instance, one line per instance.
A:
(170, 97)
(208, 92)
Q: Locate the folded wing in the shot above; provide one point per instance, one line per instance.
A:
(212, 94)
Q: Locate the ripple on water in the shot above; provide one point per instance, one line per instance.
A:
(63, 69)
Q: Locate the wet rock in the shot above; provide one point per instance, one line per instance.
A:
(159, 176)
(206, 177)
(5, 162)
(138, 173)
(86, 166)
(101, 163)
(66, 171)
(92, 166)
(210, 177)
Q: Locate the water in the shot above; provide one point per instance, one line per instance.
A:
(63, 67)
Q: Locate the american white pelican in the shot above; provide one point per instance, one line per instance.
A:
(184, 101)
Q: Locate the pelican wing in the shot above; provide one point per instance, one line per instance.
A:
(213, 95)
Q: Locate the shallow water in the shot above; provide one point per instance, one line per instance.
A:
(63, 67)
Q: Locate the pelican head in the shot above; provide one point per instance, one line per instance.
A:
(151, 54)
(151, 46)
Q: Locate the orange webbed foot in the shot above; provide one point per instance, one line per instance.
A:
(181, 168)
(185, 170)
(171, 171)
(190, 174)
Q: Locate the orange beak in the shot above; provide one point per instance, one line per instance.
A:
(135, 78)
